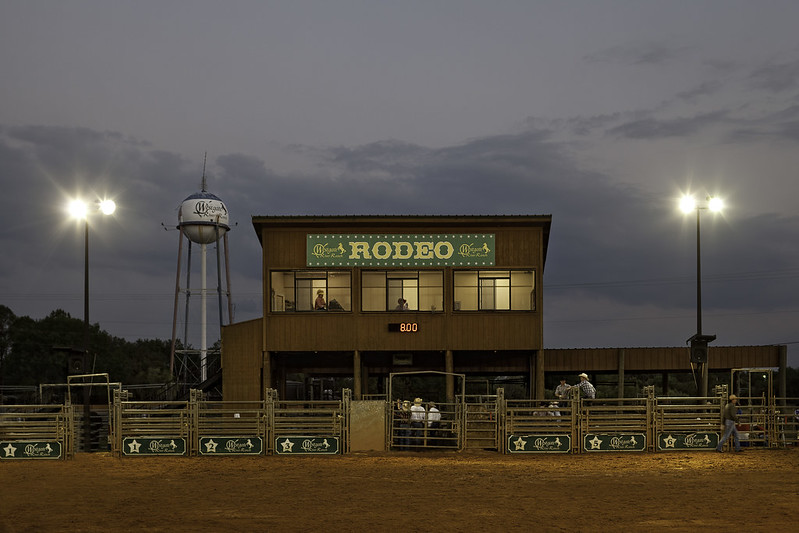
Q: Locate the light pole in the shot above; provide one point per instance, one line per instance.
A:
(79, 210)
(699, 342)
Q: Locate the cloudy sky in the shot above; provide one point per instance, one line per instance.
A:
(600, 113)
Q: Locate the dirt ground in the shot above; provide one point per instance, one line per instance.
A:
(757, 490)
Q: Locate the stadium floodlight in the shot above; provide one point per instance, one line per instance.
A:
(699, 341)
(79, 210)
(687, 203)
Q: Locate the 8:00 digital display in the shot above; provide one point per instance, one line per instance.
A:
(403, 327)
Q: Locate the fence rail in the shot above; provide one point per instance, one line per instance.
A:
(36, 431)
(576, 425)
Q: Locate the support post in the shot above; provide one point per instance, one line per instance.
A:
(356, 375)
(449, 367)
(539, 374)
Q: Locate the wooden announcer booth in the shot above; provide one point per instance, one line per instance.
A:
(362, 297)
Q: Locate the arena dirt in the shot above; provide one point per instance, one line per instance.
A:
(757, 490)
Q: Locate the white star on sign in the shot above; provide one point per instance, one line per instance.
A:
(210, 446)
(10, 450)
(669, 441)
(596, 443)
(287, 445)
(520, 443)
(134, 446)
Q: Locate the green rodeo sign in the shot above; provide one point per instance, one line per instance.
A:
(539, 443)
(687, 441)
(153, 446)
(400, 250)
(231, 445)
(615, 442)
(306, 445)
(30, 449)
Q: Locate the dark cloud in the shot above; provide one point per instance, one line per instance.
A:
(613, 245)
(707, 88)
(654, 128)
(776, 77)
(639, 53)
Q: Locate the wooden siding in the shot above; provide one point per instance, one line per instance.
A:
(653, 360)
(520, 243)
(285, 248)
(242, 360)
(437, 331)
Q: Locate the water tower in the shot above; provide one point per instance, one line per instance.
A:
(203, 220)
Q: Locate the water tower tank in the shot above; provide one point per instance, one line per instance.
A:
(199, 216)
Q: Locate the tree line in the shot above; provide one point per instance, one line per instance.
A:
(32, 351)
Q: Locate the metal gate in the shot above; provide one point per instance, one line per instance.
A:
(481, 415)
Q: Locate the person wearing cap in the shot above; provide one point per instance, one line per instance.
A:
(562, 390)
(403, 413)
(729, 417)
(433, 416)
(402, 305)
(319, 304)
(433, 422)
(585, 386)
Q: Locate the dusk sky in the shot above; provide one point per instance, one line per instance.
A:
(600, 113)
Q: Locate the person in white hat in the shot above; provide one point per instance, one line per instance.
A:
(585, 386)
(729, 417)
(418, 418)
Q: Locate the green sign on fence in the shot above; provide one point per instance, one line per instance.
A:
(539, 443)
(306, 445)
(30, 449)
(614, 442)
(400, 250)
(154, 446)
(687, 441)
(231, 445)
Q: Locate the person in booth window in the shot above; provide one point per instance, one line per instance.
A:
(319, 304)
(402, 305)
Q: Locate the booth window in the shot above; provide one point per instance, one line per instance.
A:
(494, 290)
(299, 291)
(393, 290)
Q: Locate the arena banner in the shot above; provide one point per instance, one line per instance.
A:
(400, 250)
(614, 442)
(687, 441)
(306, 445)
(231, 445)
(30, 449)
(539, 443)
(132, 446)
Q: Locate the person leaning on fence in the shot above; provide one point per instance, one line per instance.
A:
(403, 421)
(562, 390)
(541, 411)
(585, 386)
(433, 420)
(418, 417)
(729, 417)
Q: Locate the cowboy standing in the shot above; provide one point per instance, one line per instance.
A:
(729, 417)
(562, 390)
(585, 386)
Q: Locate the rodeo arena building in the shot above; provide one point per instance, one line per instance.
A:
(384, 333)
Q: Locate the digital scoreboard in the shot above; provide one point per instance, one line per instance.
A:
(403, 327)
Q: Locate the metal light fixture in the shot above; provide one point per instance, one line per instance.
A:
(699, 341)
